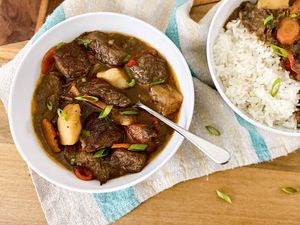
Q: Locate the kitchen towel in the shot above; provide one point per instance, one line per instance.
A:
(246, 143)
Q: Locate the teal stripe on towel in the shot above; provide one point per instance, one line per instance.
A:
(258, 142)
(57, 16)
(172, 30)
(116, 204)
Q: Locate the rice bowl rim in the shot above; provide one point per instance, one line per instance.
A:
(223, 12)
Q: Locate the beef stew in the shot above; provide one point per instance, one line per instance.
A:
(82, 108)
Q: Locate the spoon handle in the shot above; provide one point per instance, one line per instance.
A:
(214, 152)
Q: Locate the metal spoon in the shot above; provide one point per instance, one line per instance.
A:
(214, 152)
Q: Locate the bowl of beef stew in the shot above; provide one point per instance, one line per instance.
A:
(71, 109)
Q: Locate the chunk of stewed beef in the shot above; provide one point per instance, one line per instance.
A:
(131, 162)
(71, 60)
(47, 96)
(102, 133)
(106, 49)
(77, 157)
(166, 99)
(149, 68)
(109, 94)
(141, 133)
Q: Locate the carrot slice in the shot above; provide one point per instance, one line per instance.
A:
(48, 60)
(83, 173)
(296, 7)
(121, 145)
(50, 135)
(288, 31)
(131, 63)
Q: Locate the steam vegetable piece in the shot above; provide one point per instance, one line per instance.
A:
(69, 126)
(115, 77)
(288, 31)
(273, 4)
(166, 99)
(296, 7)
(50, 135)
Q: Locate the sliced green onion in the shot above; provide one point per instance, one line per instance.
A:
(101, 153)
(86, 133)
(137, 147)
(87, 98)
(290, 190)
(294, 15)
(279, 51)
(224, 196)
(85, 42)
(49, 105)
(59, 45)
(131, 83)
(96, 67)
(213, 131)
(128, 71)
(105, 112)
(126, 59)
(268, 19)
(158, 82)
(62, 114)
(275, 87)
(129, 112)
(73, 161)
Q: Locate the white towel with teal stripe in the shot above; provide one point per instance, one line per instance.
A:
(246, 143)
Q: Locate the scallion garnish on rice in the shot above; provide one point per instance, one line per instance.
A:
(275, 87)
(268, 20)
(213, 131)
(279, 51)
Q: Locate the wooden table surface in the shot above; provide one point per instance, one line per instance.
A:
(255, 190)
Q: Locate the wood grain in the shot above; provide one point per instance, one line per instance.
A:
(17, 20)
(255, 192)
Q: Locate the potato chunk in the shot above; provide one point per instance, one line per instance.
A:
(69, 125)
(115, 77)
(273, 4)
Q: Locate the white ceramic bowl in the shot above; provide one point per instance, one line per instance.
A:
(224, 11)
(28, 73)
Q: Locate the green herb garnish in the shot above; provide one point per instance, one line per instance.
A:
(279, 51)
(158, 82)
(131, 83)
(126, 59)
(62, 114)
(73, 161)
(275, 87)
(84, 42)
(87, 98)
(105, 112)
(129, 112)
(294, 15)
(59, 45)
(128, 71)
(49, 105)
(101, 153)
(86, 133)
(213, 131)
(268, 19)
(290, 190)
(137, 147)
(96, 67)
(224, 196)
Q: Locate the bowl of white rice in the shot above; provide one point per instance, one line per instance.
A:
(244, 69)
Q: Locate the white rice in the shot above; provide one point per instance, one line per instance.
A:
(247, 68)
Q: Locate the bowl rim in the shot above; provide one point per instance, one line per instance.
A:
(189, 82)
(211, 66)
